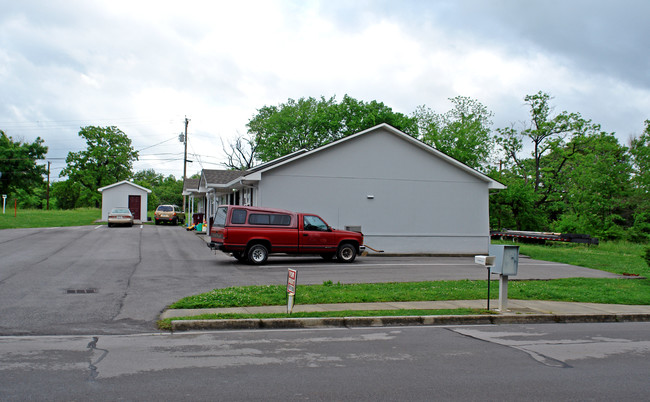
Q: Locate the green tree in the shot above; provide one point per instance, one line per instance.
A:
(595, 187)
(18, 164)
(640, 155)
(164, 190)
(463, 132)
(108, 158)
(66, 194)
(553, 143)
(640, 152)
(309, 123)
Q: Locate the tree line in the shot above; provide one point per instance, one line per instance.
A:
(107, 159)
(563, 172)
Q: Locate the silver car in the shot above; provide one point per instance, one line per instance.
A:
(120, 216)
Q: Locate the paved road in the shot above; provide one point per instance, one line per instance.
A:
(548, 362)
(136, 272)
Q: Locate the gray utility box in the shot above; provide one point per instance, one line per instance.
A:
(507, 259)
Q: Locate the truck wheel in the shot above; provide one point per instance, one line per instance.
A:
(258, 254)
(346, 253)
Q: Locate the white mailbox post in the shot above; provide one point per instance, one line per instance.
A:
(488, 262)
(506, 264)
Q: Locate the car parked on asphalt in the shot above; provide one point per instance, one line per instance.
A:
(169, 214)
(120, 216)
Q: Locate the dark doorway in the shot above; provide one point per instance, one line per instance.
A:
(134, 206)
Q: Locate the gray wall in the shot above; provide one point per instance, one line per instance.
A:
(421, 204)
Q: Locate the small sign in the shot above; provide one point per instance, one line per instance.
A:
(291, 281)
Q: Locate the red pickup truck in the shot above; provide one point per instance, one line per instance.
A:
(252, 233)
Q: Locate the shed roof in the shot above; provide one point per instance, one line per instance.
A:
(119, 183)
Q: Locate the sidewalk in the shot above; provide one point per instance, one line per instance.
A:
(519, 311)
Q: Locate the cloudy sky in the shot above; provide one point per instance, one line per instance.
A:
(144, 65)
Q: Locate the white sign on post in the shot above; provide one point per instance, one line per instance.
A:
(292, 277)
(4, 201)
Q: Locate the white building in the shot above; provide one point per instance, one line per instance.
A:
(125, 194)
(405, 196)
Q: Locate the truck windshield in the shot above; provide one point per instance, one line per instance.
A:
(220, 216)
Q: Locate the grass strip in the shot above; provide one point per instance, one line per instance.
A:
(588, 290)
(618, 257)
(166, 323)
(38, 218)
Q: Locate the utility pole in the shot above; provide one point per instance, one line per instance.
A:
(48, 185)
(187, 121)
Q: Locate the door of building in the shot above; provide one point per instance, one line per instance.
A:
(134, 206)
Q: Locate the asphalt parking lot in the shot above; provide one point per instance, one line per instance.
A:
(95, 279)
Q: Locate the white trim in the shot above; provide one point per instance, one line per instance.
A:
(124, 182)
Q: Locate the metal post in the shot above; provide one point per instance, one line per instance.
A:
(290, 302)
(503, 293)
(488, 283)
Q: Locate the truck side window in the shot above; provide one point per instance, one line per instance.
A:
(238, 216)
(269, 219)
(314, 223)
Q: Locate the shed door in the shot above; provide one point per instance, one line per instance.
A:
(134, 206)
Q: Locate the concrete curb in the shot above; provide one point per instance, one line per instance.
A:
(388, 321)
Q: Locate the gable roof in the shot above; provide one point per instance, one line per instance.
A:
(119, 183)
(191, 184)
(213, 177)
(256, 174)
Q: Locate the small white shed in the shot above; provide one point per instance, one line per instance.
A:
(125, 194)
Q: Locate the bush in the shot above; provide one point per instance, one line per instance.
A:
(647, 256)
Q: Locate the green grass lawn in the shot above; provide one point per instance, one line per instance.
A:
(617, 257)
(37, 218)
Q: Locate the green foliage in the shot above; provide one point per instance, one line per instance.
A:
(576, 175)
(164, 190)
(646, 256)
(463, 132)
(18, 167)
(640, 153)
(309, 123)
(595, 187)
(31, 198)
(108, 158)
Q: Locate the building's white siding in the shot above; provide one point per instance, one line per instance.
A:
(405, 199)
